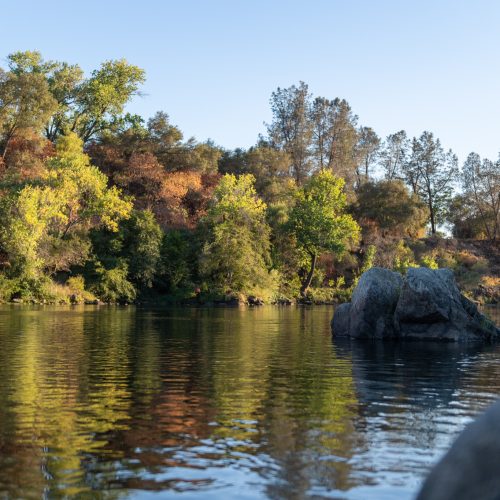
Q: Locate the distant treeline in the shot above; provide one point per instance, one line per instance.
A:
(97, 203)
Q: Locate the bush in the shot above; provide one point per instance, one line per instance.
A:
(7, 288)
(403, 258)
(429, 261)
(113, 285)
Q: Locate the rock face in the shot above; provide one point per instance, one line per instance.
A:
(373, 303)
(425, 304)
(471, 468)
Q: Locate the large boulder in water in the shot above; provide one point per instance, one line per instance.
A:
(471, 468)
(430, 306)
(340, 321)
(425, 304)
(371, 311)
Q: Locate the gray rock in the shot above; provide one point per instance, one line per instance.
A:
(471, 468)
(373, 303)
(430, 306)
(425, 305)
(340, 321)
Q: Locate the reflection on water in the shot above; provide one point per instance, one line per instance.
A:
(213, 403)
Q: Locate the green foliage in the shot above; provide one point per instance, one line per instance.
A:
(7, 288)
(403, 258)
(113, 285)
(318, 221)
(135, 246)
(71, 199)
(178, 260)
(260, 229)
(141, 238)
(25, 99)
(429, 261)
(235, 253)
(391, 207)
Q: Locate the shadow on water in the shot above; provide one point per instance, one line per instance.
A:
(426, 373)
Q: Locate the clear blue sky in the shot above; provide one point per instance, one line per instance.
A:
(212, 65)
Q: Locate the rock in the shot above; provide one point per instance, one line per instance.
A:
(254, 301)
(426, 304)
(471, 468)
(372, 306)
(340, 321)
(430, 306)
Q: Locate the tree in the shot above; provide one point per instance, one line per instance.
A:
(71, 198)
(394, 154)
(431, 172)
(367, 150)
(235, 254)
(334, 136)
(481, 185)
(269, 166)
(136, 247)
(466, 220)
(316, 134)
(318, 220)
(391, 207)
(100, 99)
(291, 128)
(25, 101)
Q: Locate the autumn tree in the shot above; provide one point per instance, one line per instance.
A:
(47, 221)
(319, 221)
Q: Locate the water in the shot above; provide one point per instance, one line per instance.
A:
(224, 403)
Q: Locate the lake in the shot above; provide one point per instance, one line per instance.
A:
(110, 402)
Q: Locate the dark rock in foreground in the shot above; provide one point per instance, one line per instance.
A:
(426, 305)
(471, 468)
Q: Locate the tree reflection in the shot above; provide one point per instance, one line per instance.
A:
(99, 401)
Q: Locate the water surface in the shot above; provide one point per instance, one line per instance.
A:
(105, 402)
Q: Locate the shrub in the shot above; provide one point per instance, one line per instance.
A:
(113, 285)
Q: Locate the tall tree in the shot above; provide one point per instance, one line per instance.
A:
(481, 185)
(236, 250)
(394, 154)
(291, 128)
(367, 151)
(334, 136)
(319, 221)
(25, 99)
(431, 172)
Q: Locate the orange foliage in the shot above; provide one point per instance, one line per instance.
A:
(26, 156)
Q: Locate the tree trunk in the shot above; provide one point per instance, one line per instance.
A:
(432, 216)
(307, 282)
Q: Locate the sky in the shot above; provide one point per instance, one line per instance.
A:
(212, 65)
